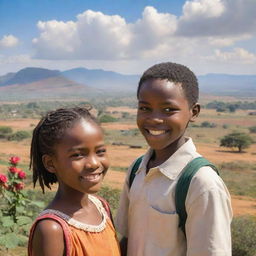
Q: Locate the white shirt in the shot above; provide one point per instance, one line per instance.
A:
(147, 213)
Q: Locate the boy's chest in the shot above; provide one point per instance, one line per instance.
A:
(153, 190)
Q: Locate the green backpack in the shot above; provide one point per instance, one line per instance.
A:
(182, 185)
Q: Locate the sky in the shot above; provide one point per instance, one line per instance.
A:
(128, 36)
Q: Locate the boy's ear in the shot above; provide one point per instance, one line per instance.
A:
(195, 111)
(48, 163)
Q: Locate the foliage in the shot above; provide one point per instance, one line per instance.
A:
(107, 119)
(112, 197)
(208, 124)
(13, 222)
(236, 140)
(5, 131)
(221, 106)
(244, 236)
(19, 135)
(252, 129)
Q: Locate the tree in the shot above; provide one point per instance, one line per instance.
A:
(236, 140)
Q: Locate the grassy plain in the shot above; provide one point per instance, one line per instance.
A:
(239, 172)
(237, 169)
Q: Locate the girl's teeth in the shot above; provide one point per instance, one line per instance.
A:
(156, 132)
(91, 177)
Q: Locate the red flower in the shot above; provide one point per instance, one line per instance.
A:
(3, 179)
(14, 169)
(14, 160)
(21, 175)
(19, 186)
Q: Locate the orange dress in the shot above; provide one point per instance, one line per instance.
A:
(83, 239)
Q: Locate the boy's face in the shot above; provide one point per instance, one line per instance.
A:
(163, 114)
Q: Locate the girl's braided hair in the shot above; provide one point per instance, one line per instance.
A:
(48, 132)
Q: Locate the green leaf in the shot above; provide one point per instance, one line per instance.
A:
(39, 204)
(23, 240)
(22, 220)
(20, 209)
(9, 240)
(7, 221)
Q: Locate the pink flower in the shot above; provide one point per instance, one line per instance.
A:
(3, 179)
(14, 160)
(19, 186)
(21, 175)
(14, 169)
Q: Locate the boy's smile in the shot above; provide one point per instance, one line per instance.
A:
(163, 114)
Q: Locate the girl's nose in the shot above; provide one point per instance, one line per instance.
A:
(92, 162)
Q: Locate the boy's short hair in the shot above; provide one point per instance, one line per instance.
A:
(176, 73)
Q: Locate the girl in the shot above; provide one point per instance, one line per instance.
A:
(67, 147)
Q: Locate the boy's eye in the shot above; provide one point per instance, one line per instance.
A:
(168, 110)
(143, 108)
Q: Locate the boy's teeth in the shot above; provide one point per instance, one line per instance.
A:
(156, 132)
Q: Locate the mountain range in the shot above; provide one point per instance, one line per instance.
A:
(38, 83)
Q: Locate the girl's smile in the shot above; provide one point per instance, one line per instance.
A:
(80, 161)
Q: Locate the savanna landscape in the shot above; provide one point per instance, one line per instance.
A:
(124, 142)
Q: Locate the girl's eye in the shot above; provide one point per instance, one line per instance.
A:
(77, 155)
(101, 151)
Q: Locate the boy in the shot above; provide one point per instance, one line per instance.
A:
(147, 218)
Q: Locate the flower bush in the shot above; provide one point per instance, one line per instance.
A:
(11, 187)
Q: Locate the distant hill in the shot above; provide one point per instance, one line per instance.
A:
(105, 80)
(39, 83)
(29, 75)
(228, 85)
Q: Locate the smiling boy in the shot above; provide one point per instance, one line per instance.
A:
(147, 218)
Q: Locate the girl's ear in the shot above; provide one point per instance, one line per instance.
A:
(48, 163)
(195, 109)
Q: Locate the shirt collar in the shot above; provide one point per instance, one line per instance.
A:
(172, 167)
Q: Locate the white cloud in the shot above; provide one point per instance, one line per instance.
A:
(237, 55)
(218, 17)
(203, 9)
(8, 41)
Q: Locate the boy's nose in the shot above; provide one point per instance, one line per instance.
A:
(156, 118)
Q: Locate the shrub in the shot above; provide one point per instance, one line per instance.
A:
(252, 129)
(107, 119)
(112, 197)
(19, 135)
(5, 131)
(208, 124)
(236, 140)
(244, 236)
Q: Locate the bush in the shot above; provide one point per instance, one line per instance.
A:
(112, 197)
(252, 129)
(208, 124)
(19, 135)
(5, 131)
(244, 236)
(236, 140)
(107, 119)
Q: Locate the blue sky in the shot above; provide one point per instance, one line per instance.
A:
(128, 36)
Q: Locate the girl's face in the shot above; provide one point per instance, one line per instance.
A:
(80, 161)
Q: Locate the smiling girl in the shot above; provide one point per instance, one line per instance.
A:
(68, 148)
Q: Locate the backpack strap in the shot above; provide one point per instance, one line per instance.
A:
(183, 184)
(134, 170)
